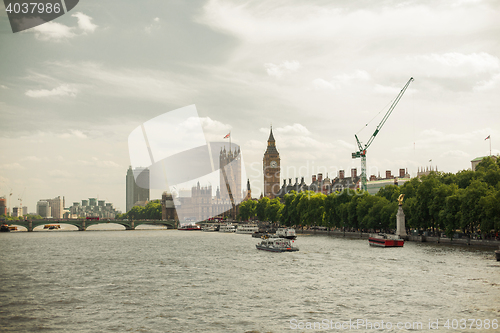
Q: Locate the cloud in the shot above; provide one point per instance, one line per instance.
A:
(349, 146)
(323, 84)
(61, 174)
(298, 138)
(31, 159)
(488, 84)
(290, 129)
(129, 82)
(73, 133)
(285, 67)
(12, 166)
(52, 31)
(57, 32)
(95, 162)
(214, 130)
(264, 21)
(3, 87)
(457, 64)
(341, 80)
(155, 25)
(433, 140)
(63, 90)
(386, 89)
(357, 75)
(455, 153)
(84, 22)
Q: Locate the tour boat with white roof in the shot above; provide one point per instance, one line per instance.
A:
(227, 228)
(189, 227)
(288, 233)
(247, 229)
(276, 244)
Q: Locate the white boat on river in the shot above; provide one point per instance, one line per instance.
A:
(277, 244)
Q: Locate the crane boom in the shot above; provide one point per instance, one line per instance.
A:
(391, 108)
(362, 150)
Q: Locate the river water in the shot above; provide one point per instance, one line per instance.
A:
(191, 281)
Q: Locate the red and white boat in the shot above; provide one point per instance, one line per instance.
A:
(385, 240)
(189, 227)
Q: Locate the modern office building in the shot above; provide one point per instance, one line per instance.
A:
(3, 206)
(17, 211)
(56, 207)
(43, 208)
(137, 183)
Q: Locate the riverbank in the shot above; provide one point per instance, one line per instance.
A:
(421, 239)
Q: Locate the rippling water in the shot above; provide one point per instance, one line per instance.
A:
(181, 281)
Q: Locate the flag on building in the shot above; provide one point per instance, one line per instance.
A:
(487, 137)
(227, 135)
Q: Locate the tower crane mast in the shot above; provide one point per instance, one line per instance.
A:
(361, 153)
(21, 203)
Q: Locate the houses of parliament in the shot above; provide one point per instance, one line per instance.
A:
(201, 204)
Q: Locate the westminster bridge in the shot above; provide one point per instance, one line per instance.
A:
(82, 225)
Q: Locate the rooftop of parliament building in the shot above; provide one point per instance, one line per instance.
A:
(341, 182)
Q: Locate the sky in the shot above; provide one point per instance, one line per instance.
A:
(73, 89)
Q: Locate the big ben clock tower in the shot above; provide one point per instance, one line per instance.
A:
(271, 165)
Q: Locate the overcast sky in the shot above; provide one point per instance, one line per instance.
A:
(73, 89)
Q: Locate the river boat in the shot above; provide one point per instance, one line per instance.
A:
(189, 227)
(385, 240)
(247, 229)
(227, 228)
(208, 228)
(52, 226)
(288, 233)
(4, 228)
(258, 234)
(276, 244)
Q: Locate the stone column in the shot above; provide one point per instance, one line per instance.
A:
(83, 227)
(400, 224)
(30, 226)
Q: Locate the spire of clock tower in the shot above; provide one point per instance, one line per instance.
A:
(271, 138)
(271, 144)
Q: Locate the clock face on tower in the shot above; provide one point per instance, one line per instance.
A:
(273, 164)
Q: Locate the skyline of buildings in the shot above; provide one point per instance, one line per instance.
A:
(92, 208)
(54, 208)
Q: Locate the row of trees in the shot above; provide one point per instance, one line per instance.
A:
(21, 218)
(467, 201)
(152, 211)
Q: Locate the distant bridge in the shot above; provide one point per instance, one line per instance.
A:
(82, 225)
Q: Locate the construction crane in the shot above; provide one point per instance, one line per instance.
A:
(8, 208)
(21, 204)
(362, 150)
